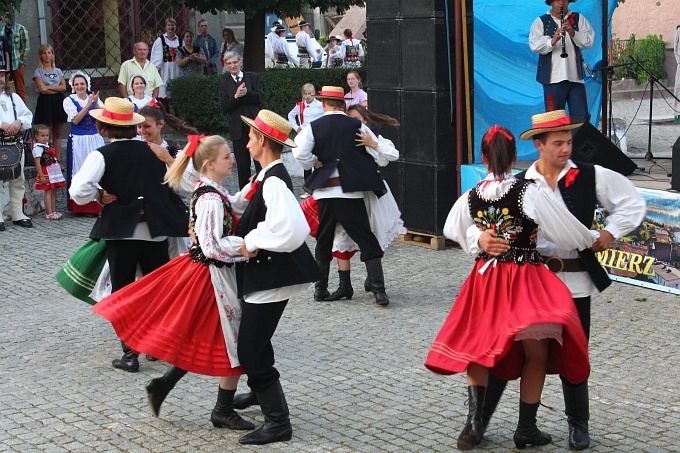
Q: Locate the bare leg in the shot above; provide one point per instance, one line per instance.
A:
(477, 375)
(533, 373)
(49, 201)
(229, 382)
(343, 265)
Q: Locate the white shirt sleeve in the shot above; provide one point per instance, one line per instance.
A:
(284, 228)
(303, 151)
(156, 56)
(538, 42)
(238, 201)
(291, 118)
(585, 36)
(459, 221)
(209, 229)
(23, 114)
(385, 152)
(555, 221)
(625, 206)
(84, 183)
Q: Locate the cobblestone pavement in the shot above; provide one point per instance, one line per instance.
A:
(353, 372)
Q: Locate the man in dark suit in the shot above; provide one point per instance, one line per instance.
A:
(240, 94)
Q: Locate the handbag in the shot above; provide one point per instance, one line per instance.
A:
(11, 150)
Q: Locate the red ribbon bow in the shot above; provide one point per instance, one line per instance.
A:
(253, 188)
(301, 105)
(194, 140)
(154, 103)
(570, 177)
(496, 129)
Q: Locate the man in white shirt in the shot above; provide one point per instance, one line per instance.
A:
(309, 49)
(14, 117)
(163, 55)
(579, 187)
(283, 57)
(562, 76)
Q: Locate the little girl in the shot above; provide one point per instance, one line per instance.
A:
(187, 312)
(49, 172)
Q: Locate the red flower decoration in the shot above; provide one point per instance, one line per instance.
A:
(570, 177)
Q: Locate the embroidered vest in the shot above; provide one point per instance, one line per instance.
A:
(228, 225)
(505, 215)
(351, 52)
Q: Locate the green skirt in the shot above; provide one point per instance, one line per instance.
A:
(80, 273)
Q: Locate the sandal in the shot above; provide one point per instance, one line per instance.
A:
(54, 216)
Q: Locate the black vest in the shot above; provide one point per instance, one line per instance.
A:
(135, 176)
(335, 146)
(270, 270)
(545, 61)
(581, 200)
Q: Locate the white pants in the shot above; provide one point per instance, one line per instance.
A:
(16, 196)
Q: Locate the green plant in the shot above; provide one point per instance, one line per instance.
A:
(196, 98)
(651, 49)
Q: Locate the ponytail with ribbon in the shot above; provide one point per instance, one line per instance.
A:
(194, 140)
(496, 129)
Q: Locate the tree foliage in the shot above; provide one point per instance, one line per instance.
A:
(255, 11)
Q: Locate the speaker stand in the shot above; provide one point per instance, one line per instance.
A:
(652, 81)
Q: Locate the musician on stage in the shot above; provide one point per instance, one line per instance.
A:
(14, 118)
(561, 32)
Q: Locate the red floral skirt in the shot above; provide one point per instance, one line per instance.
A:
(171, 314)
(493, 307)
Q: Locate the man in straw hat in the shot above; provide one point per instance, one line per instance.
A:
(580, 187)
(274, 230)
(560, 68)
(14, 117)
(145, 211)
(344, 172)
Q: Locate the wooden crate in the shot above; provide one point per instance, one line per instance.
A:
(429, 241)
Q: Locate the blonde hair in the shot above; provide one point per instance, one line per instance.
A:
(206, 151)
(308, 87)
(43, 49)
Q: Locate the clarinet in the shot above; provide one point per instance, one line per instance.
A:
(564, 44)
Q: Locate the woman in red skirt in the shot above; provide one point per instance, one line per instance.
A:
(187, 312)
(513, 317)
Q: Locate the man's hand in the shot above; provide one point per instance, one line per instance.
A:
(603, 242)
(492, 244)
(245, 252)
(241, 90)
(161, 153)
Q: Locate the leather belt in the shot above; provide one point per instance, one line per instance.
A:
(558, 265)
(331, 182)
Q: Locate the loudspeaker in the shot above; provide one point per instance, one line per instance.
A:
(426, 131)
(428, 192)
(675, 167)
(425, 55)
(591, 146)
(384, 65)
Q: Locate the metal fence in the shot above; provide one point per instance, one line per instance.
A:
(96, 36)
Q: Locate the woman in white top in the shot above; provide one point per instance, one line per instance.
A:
(84, 137)
(137, 86)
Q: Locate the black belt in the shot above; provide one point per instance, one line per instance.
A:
(558, 265)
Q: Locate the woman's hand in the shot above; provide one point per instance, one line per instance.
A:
(161, 153)
(365, 139)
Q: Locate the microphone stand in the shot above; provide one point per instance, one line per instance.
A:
(653, 80)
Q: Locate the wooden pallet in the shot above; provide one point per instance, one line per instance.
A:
(429, 241)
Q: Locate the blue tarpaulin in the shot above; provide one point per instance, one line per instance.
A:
(506, 90)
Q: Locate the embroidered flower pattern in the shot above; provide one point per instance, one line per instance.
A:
(499, 219)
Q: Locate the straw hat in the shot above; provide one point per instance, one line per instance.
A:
(272, 125)
(329, 92)
(556, 120)
(117, 111)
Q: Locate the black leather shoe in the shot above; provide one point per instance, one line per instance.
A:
(129, 365)
(26, 223)
(2, 226)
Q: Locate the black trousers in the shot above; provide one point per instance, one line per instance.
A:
(125, 255)
(255, 351)
(242, 156)
(351, 214)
